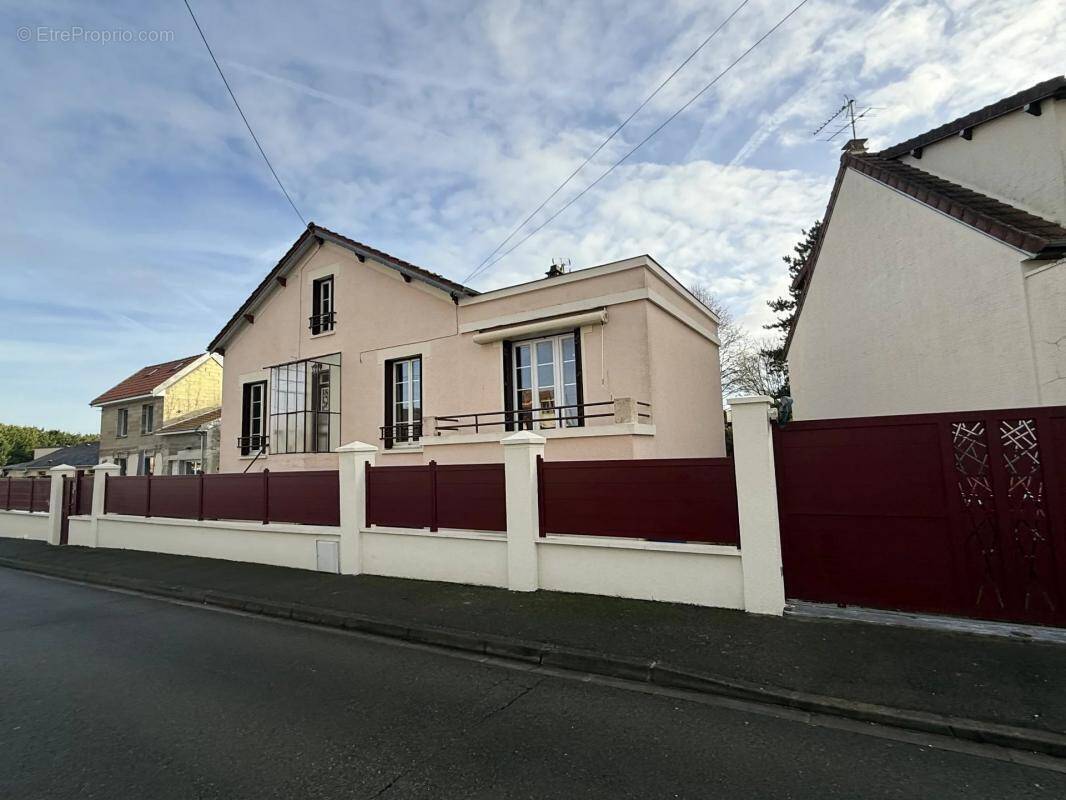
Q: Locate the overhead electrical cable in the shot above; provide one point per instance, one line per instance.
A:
(241, 112)
(614, 133)
(480, 270)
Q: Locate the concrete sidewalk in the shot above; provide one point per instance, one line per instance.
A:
(990, 680)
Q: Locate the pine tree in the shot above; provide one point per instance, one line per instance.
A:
(785, 307)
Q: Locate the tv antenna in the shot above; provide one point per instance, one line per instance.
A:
(850, 117)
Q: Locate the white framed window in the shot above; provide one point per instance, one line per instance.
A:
(122, 424)
(403, 399)
(147, 418)
(545, 385)
(121, 461)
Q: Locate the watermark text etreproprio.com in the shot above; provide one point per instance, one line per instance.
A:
(76, 34)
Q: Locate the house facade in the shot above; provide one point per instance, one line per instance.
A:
(342, 342)
(939, 280)
(145, 419)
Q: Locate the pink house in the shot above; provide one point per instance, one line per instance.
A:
(341, 343)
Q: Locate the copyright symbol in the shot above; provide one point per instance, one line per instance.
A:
(24, 34)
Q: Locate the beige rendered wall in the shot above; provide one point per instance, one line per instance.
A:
(200, 389)
(909, 311)
(1046, 292)
(1018, 158)
(687, 389)
(381, 317)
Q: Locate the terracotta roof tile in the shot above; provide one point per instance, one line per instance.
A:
(144, 380)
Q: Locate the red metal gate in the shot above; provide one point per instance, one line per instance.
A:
(959, 513)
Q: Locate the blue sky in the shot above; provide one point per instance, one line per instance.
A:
(136, 214)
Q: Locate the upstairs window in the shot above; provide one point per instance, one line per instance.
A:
(544, 380)
(403, 402)
(305, 406)
(253, 418)
(322, 307)
(122, 425)
(147, 418)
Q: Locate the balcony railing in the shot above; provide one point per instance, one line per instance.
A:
(255, 442)
(406, 433)
(321, 323)
(619, 410)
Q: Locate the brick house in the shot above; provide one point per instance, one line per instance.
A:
(157, 421)
(342, 342)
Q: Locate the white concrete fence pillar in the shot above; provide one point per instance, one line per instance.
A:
(100, 473)
(55, 500)
(760, 529)
(520, 452)
(354, 458)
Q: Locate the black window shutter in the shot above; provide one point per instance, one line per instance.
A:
(388, 404)
(508, 386)
(246, 417)
(580, 380)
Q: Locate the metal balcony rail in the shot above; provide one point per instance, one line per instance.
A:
(401, 433)
(570, 416)
(320, 323)
(258, 441)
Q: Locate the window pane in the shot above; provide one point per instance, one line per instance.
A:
(521, 356)
(568, 348)
(545, 375)
(545, 352)
(524, 378)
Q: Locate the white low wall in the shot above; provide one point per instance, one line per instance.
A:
(280, 545)
(80, 531)
(705, 575)
(24, 525)
(451, 556)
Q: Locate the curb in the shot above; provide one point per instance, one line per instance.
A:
(573, 659)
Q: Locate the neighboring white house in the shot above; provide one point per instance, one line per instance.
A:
(939, 279)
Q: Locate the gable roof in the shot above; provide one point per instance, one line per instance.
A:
(145, 380)
(1055, 87)
(1020, 229)
(300, 247)
(76, 455)
(192, 422)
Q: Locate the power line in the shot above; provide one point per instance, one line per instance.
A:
(241, 112)
(642, 142)
(604, 143)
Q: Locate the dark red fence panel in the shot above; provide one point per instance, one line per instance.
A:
(311, 498)
(175, 496)
(27, 494)
(471, 497)
(126, 494)
(235, 496)
(400, 497)
(960, 513)
(458, 496)
(682, 499)
(84, 497)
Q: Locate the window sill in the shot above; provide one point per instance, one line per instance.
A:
(396, 450)
(324, 334)
(252, 457)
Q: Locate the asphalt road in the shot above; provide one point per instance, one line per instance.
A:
(109, 695)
